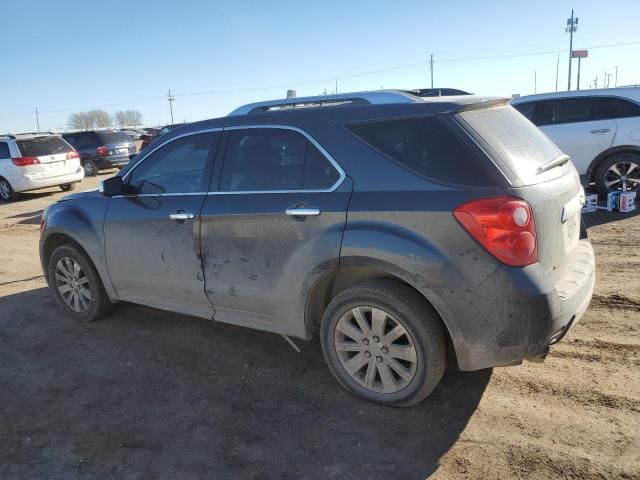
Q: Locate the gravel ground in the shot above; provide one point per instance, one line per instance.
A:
(149, 394)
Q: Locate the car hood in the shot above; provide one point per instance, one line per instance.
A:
(78, 195)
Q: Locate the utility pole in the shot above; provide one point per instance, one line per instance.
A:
(171, 99)
(535, 81)
(595, 82)
(572, 26)
(431, 68)
(608, 79)
(37, 120)
(616, 84)
(336, 85)
(557, 65)
(578, 81)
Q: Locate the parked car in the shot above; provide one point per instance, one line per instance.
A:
(599, 130)
(34, 161)
(389, 224)
(133, 134)
(151, 136)
(100, 149)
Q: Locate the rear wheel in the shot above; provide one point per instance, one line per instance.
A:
(68, 187)
(384, 342)
(6, 191)
(76, 285)
(620, 172)
(90, 169)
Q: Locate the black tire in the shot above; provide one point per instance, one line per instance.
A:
(624, 160)
(90, 168)
(7, 193)
(411, 311)
(99, 303)
(68, 187)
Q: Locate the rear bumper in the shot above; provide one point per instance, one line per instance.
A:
(517, 313)
(112, 161)
(23, 183)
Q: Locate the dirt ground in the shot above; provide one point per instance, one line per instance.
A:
(148, 394)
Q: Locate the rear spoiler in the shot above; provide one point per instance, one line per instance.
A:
(488, 103)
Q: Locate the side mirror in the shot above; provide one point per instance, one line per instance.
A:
(112, 186)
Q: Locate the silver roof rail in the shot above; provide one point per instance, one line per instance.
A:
(367, 98)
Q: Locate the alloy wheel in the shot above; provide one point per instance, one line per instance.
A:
(5, 192)
(375, 349)
(89, 169)
(73, 285)
(624, 176)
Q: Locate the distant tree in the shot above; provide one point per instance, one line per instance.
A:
(80, 121)
(101, 118)
(127, 118)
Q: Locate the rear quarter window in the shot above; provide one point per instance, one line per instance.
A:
(37, 147)
(426, 147)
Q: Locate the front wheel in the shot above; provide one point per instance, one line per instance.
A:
(76, 285)
(384, 342)
(620, 172)
(6, 191)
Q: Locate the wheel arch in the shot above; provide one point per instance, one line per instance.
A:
(609, 152)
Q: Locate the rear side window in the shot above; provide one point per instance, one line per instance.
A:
(4, 150)
(426, 147)
(36, 147)
(514, 139)
(272, 159)
(114, 137)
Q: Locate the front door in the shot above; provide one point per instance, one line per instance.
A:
(152, 234)
(272, 228)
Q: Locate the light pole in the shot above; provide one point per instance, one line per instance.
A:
(572, 26)
(557, 65)
(171, 99)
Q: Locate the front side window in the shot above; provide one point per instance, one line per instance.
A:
(272, 159)
(178, 167)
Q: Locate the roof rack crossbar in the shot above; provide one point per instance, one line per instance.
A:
(372, 98)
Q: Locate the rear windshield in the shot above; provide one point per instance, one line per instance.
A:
(114, 137)
(37, 147)
(514, 139)
(426, 147)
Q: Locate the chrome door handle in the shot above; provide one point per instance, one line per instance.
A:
(302, 212)
(181, 216)
(601, 130)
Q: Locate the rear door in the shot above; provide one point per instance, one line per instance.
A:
(271, 227)
(55, 156)
(152, 234)
(579, 126)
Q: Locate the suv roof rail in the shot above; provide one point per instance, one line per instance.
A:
(367, 98)
(34, 134)
(7, 136)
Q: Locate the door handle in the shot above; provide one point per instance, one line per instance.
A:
(601, 130)
(181, 216)
(302, 212)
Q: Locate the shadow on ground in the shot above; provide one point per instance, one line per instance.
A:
(150, 394)
(29, 218)
(601, 217)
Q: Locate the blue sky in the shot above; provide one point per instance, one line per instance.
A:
(64, 56)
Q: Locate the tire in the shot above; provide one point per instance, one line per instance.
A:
(68, 187)
(90, 168)
(423, 340)
(6, 191)
(97, 304)
(622, 162)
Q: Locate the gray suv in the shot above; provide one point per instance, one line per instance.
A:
(400, 229)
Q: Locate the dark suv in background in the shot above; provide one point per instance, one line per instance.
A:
(100, 149)
(390, 225)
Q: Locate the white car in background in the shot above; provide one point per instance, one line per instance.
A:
(599, 130)
(33, 161)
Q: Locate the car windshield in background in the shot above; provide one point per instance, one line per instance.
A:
(517, 142)
(114, 137)
(37, 147)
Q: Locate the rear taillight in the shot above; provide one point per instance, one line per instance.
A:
(102, 151)
(504, 226)
(73, 154)
(24, 161)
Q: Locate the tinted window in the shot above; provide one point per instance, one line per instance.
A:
(579, 109)
(515, 140)
(426, 147)
(269, 159)
(83, 140)
(619, 108)
(177, 167)
(36, 147)
(114, 137)
(4, 150)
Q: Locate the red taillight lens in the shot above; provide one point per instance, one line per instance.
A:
(72, 154)
(504, 226)
(102, 151)
(24, 161)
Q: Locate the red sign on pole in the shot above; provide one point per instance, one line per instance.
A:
(579, 53)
